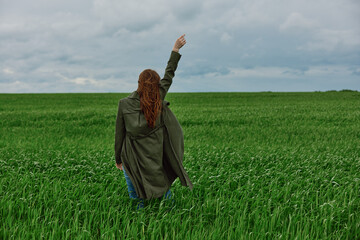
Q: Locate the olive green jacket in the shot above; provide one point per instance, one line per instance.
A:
(152, 157)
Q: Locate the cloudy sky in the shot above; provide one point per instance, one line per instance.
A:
(232, 45)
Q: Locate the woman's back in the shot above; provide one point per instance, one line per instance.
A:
(134, 118)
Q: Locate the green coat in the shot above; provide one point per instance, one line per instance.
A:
(152, 158)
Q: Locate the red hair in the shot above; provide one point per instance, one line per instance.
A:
(150, 101)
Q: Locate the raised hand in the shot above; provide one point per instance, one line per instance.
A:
(179, 43)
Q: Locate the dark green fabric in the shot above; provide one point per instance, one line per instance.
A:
(152, 157)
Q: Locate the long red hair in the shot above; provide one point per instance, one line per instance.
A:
(150, 101)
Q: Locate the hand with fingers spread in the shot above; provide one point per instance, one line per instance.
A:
(179, 43)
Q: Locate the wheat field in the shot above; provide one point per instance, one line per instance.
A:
(265, 165)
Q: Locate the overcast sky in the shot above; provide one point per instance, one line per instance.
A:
(232, 45)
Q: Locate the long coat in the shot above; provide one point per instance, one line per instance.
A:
(152, 157)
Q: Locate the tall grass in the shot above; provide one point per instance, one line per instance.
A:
(263, 165)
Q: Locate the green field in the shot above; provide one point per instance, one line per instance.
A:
(264, 166)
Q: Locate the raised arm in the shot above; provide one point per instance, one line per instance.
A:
(175, 56)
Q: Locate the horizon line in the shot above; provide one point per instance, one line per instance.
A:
(314, 91)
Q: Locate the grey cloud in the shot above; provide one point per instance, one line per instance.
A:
(356, 71)
(103, 45)
(186, 10)
(202, 68)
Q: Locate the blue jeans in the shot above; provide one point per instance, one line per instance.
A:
(132, 192)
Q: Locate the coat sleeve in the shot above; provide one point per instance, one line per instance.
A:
(166, 81)
(119, 133)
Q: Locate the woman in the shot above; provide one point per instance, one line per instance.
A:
(149, 143)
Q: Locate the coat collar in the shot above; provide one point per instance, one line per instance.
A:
(134, 94)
